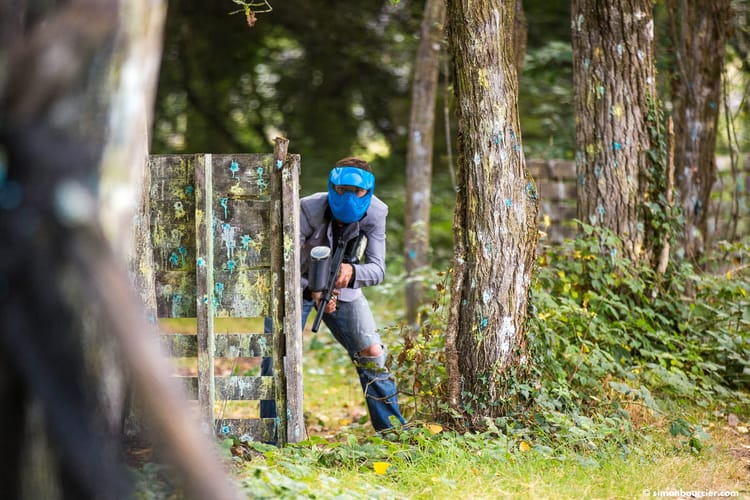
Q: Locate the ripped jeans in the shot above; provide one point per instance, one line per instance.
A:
(353, 326)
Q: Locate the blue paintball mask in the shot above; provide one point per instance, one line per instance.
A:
(348, 207)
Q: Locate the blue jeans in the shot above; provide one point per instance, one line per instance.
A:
(353, 326)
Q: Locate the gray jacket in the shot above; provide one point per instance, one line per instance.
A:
(315, 230)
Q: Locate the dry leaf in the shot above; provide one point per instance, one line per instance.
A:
(435, 428)
(524, 446)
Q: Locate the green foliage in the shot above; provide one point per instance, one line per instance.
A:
(616, 347)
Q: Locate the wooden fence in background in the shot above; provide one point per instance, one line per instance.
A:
(557, 187)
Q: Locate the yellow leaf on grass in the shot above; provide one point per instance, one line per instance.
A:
(380, 467)
(524, 446)
(345, 421)
(435, 428)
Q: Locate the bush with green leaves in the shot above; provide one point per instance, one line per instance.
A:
(611, 340)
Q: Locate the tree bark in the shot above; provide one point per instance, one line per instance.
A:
(419, 155)
(700, 31)
(613, 65)
(496, 208)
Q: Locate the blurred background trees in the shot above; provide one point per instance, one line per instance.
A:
(337, 80)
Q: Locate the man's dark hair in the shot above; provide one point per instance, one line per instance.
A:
(353, 161)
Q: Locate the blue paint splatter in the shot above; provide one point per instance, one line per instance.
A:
(173, 259)
(412, 254)
(600, 211)
(231, 265)
(200, 262)
(245, 241)
(616, 146)
(262, 184)
(234, 167)
(176, 305)
(225, 430)
(279, 164)
(189, 189)
(597, 171)
(508, 202)
(224, 202)
(531, 191)
(483, 323)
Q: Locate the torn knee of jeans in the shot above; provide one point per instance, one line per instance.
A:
(372, 351)
(375, 363)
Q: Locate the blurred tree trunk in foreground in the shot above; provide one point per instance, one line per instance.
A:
(71, 71)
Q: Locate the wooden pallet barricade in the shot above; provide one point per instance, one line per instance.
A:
(225, 237)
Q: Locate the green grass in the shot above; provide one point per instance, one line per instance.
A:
(338, 461)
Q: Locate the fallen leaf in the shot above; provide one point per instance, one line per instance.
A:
(524, 446)
(345, 421)
(435, 428)
(380, 467)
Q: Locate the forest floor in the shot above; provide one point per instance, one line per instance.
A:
(342, 456)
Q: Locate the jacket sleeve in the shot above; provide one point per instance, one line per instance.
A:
(372, 271)
(305, 230)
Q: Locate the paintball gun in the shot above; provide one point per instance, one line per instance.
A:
(324, 269)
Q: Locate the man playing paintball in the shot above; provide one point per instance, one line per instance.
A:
(349, 213)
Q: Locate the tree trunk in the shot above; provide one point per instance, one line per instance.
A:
(613, 65)
(520, 35)
(496, 209)
(72, 315)
(419, 155)
(700, 31)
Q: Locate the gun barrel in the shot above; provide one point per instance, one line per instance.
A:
(330, 283)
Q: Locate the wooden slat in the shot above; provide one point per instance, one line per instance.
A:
(229, 345)
(175, 294)
(205, 286)
(243, 175)
(288, 170)
(235, 388)
(251, 429)
(243, 293)
(277, 291)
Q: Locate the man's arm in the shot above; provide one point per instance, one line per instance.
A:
(372, 271)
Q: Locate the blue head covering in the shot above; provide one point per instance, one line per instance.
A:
(348, 207)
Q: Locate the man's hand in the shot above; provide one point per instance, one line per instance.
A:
(331, 306)
(345, 276)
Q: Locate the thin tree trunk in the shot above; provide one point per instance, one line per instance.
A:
(419, 155)
(700, 31)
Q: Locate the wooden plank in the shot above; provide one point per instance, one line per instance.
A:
(253, 429)
(242, 293)
(175, 294)
(288, 170)
(227, 345)
(204, 287)
(243, 175)
(241, 234)
(235, 388)
(556, 190)
(277, 292)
